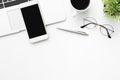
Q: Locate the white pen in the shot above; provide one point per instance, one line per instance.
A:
(73, 31)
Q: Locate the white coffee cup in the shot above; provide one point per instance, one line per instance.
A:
(80, 5)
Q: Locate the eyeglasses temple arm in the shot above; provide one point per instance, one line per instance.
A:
(108, 33)
(86, 25)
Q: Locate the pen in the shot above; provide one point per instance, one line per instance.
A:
(74, 31)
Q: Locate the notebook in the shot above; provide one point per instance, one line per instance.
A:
(53, 11)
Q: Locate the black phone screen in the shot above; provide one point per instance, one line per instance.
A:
(33, 21)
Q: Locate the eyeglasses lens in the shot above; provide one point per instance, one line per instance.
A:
(108, 27)
(90, 20)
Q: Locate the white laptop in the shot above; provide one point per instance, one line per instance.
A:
(11, 20)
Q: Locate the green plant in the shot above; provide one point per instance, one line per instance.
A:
(112, 8)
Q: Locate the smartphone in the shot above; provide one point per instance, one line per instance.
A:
(34, 23)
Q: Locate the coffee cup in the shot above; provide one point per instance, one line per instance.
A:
(80, 5)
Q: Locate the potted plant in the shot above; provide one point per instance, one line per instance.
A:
(112, 8)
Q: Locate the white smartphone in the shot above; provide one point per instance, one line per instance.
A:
(34, 23)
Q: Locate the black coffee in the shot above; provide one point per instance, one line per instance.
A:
(80, 4)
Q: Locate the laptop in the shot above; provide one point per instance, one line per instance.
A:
(11, 20)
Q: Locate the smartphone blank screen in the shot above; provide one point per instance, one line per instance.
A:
(33, 21)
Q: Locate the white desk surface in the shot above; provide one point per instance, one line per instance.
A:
(65, 56)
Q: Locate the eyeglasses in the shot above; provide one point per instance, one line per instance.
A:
(105, 29)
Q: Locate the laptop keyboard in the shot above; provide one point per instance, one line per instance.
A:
(9, 3)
